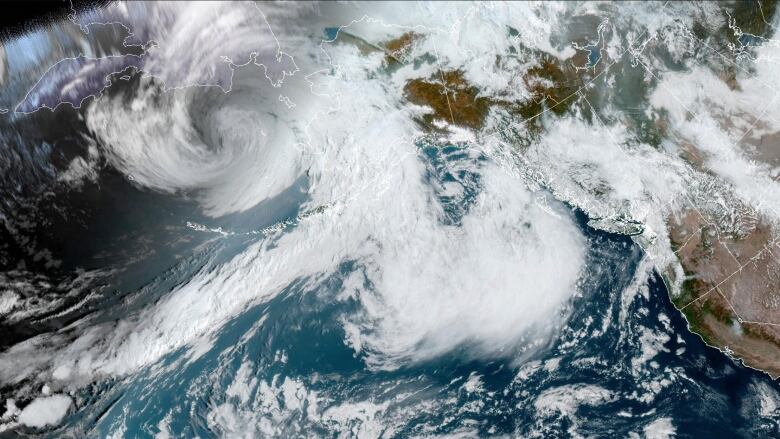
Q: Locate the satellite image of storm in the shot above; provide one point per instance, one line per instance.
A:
(389, 219)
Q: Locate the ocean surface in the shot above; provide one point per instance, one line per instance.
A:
(245, 228)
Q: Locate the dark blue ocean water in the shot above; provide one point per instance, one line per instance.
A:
(623, 363)
(624, 359)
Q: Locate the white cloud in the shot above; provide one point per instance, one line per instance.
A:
(45, 411)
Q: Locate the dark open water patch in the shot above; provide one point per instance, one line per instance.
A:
(627, 358)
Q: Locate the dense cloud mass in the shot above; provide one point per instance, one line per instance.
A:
(384, 219)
